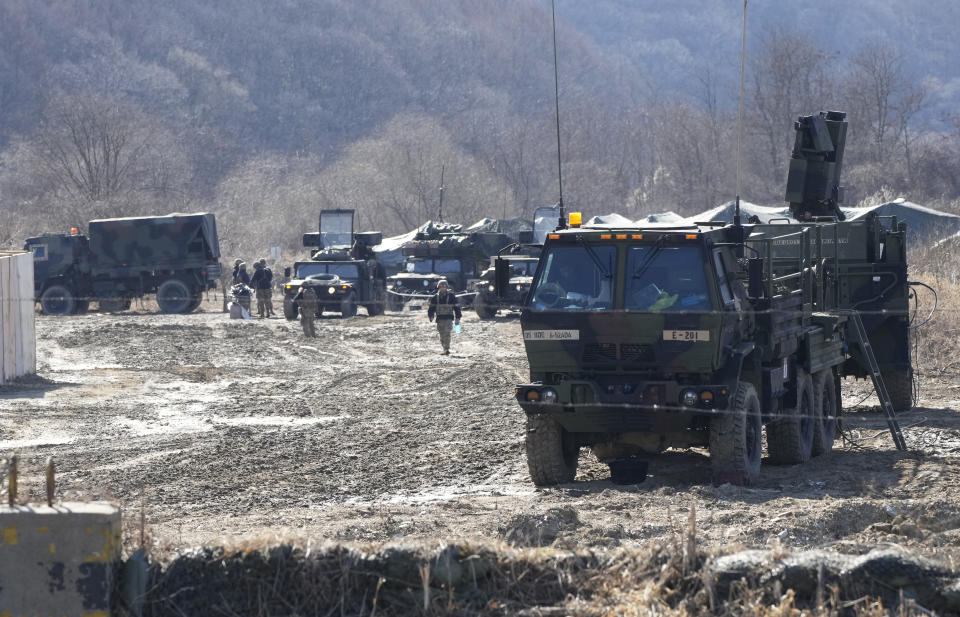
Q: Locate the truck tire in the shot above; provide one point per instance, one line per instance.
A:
(290, 308)
(348, 306)
(900, 387)
(375, 309)
(790, 437)
(551, 453)
(483, 308)
(394, 302)
(825, 402)
(82, 307)
(736, 439)
(57, 300)
(173, 296)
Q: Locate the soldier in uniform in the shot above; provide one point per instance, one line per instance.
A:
(443, 306)
(241, 275)
(306, 299)
(236, 270)
(261, 285)
(269, 291)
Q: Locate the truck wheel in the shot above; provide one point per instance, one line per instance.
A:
(825, 402)
(173, 296)
(375, 309)
(290, 308)
(348, 306)
(394, 302)
(900, 387)
(57, 300)
(790, 438)
(82, 307)
(483, 308)
(551, 452)
(736, 439)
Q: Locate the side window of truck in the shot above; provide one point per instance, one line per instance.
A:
(724, 280)
(39, 252)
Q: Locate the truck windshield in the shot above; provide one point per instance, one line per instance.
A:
(443, 266)
(345, 271)
(348, 272)
(574, 279)
(666, 278)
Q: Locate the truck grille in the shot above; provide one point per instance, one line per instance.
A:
(634, 354)
(600, 355)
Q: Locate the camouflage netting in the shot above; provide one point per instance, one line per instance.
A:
(467, 579)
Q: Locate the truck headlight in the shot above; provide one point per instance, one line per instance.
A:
(519, 287)
(491, 288)
(689, 398)
(548, 395)
(331, 290)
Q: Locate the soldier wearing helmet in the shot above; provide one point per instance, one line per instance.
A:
(261, 285)
(269, 289)
(443, 306)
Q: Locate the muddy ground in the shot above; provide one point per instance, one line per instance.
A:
(227, 431)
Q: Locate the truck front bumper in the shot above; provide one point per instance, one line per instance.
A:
(651, 406)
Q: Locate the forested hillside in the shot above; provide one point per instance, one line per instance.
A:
(265, 112)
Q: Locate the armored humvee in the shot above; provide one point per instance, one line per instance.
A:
(174, 256)
(521, 260)
(343, 271)
(432, 256)
(641, 339)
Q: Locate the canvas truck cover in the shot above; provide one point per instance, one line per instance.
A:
(173, 241)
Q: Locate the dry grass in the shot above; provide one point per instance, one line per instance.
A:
(672, 578)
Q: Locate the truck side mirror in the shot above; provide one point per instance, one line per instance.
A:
(755, 277)
(286, 272)
(501, 276)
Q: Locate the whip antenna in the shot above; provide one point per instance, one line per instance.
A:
(556, 99)
(743, 55)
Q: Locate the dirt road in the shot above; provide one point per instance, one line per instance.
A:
(234, 430)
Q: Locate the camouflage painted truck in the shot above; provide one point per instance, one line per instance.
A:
(343, 270)
(642, 339)
(457, 257)
(175, 257)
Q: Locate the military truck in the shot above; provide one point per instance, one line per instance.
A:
(175, 257)
(457, 257)
(343, 269)
(642, 339)
(522, 258)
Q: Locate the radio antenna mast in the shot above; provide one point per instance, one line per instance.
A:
(562, 223)
(743, 55)
(440, 210)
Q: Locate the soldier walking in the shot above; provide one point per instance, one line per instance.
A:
(443, 306)
(261, 285)
(269, 294)
(306, 299)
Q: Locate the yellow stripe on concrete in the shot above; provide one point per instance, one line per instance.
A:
(10, 537)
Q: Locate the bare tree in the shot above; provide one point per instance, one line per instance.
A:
(789, 79)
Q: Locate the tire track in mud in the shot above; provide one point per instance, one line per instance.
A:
(368, 433)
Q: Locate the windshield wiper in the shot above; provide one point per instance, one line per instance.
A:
(642, 268)
(595, 258)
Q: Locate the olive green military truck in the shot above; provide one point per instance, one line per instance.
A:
(175, 257)
(343, 271)
(707, 335)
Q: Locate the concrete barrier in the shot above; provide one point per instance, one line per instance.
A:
(58, 560)
(18, 347)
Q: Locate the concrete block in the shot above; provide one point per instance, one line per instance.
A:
(59, 560)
